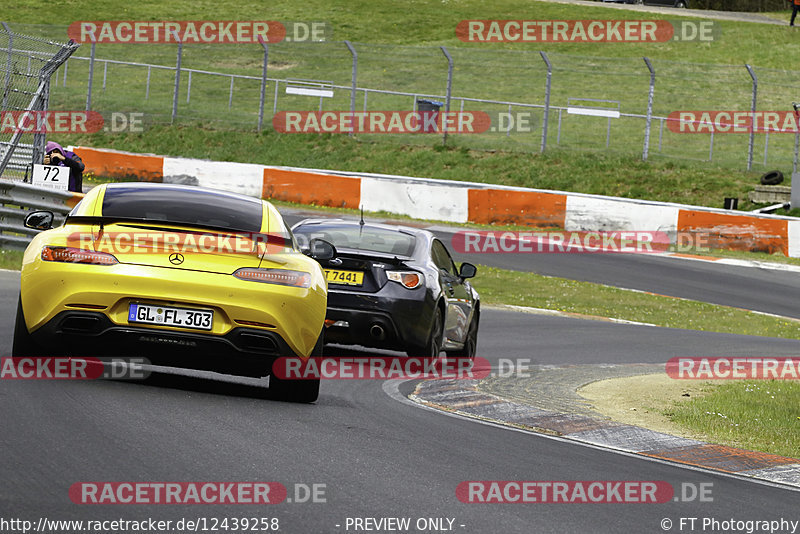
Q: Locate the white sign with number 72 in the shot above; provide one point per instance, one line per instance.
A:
(51, 176)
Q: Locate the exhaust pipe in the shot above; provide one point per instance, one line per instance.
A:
(377, 332)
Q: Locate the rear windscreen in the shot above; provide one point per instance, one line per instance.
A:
(357, 238)
(184, 206)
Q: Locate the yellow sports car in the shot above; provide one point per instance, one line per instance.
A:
(182, 276)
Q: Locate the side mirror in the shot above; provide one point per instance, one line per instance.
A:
(39, 220)
(319, 249)
(467, 271)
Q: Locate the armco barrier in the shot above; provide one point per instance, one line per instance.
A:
(18, 199)
(456, 201)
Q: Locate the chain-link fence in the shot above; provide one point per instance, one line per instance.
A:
(565, 101)
(26, 66)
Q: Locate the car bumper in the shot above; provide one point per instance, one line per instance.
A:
(247, 351)
(393, 318)
(293, 314)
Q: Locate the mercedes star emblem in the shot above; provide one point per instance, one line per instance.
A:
(176, 259)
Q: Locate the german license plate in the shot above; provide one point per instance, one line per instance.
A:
(350, 278)
(169, 316)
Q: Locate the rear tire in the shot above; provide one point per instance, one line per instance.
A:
(23, 343)
(305, 391)
(433, 346)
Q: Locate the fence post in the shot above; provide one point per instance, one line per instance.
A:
(9, 64)
(353, 83)
(649, 108)
(449, 89)
(91, 75)
(546, 118)
(752, 117)
(711, 147)
(177, 78)
(263, 83)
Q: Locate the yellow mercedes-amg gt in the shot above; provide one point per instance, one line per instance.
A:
(180, 275)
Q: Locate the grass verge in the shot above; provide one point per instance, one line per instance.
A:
(690, 75)
(10, 259)
(759, 415)
(499, 286)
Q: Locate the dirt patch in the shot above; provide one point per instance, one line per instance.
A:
(643, 400)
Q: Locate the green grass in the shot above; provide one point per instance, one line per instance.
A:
(499, 286)
(10, 259)
(398, 50)
(762, 415)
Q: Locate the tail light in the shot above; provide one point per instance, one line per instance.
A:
(281, 277)
(409, 279)
(77, 255)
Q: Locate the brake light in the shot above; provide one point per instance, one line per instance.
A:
(409, 279)
(281, 277)
(77, 255)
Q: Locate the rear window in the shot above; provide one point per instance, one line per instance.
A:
(184, 206)
(357, 238)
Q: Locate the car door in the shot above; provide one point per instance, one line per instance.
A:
(457, 297)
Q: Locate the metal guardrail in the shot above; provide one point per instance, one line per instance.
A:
(17, 199)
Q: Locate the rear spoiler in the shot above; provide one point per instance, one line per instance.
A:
(369, 254)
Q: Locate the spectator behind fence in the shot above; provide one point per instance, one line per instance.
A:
(56, 155)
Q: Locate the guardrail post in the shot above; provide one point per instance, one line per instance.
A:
(449, 89)
(646, 149)
(752, 117)
(546, 118)
(263, 83)
(353, 79)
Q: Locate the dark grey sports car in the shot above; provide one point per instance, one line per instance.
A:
(395, 287)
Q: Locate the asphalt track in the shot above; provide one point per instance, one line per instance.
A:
(377, 457)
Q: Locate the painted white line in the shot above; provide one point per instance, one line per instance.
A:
(392, 389)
